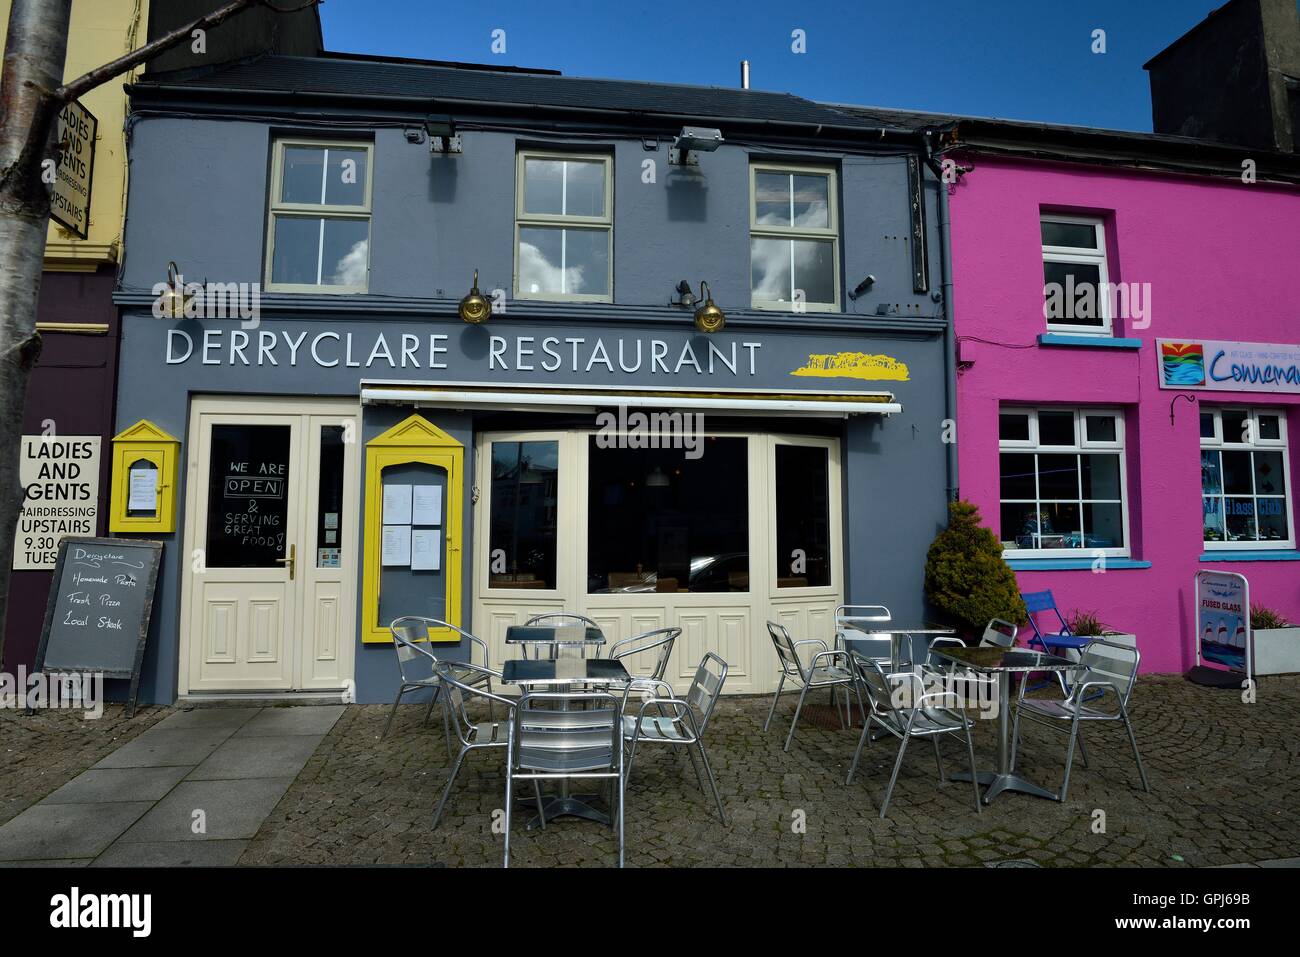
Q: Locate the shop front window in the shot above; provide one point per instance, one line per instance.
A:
(522, 536)
(660, 521)
(1062, 481)
(1244, 479)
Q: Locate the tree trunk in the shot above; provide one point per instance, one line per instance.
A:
(33, 71)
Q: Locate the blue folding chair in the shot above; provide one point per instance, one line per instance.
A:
(1051, 642)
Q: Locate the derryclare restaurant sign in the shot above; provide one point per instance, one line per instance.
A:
(1229, 366)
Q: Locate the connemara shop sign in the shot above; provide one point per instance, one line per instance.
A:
(1229, 366)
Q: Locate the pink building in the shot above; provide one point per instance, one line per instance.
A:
(1117, 443)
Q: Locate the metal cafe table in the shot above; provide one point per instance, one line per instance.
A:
(1004, 662)
(555, 674)
(895, 634)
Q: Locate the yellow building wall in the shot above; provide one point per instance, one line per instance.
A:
(100, 31)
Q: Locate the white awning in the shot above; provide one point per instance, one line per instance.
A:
(498, 396)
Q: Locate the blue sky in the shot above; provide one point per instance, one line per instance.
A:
(1017, 59)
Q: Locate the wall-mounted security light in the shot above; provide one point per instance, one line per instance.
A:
(691, 140)
(862, 287)
(685, 297)
(442, 134)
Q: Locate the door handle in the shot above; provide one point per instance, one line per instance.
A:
(290, 560)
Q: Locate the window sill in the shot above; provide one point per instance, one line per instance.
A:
(1072, 564)
(1261, 555)
(1087, 342)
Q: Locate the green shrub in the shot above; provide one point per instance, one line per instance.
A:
(1261, 616)
(1086, 624)
(966, 576)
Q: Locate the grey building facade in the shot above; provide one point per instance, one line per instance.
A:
(351, 451)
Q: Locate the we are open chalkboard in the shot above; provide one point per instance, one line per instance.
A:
(97, 616)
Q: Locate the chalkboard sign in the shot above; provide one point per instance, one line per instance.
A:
(97, 616)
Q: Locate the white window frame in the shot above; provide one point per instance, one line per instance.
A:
(831, 231)
(1218, 443)
(1081, 445)
(1088, 257)
(525, 219)
(277, 207)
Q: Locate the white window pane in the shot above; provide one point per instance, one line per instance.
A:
(1272, 519)
(301, 180)
(1207, 425)
(1237, 426)
(1212, 523)
(585, 188)
(345, 252)
(1058, 476)
(1072, 294)
(1056, 428)
(297, 249)
(1078, 235)
(769, 270)
(1270, 426)
(1103, 525)
(814, 269)
(586, 262)
(544, 186)
(345, 179)
(1270, 479)
(1013, 426)
(1100, 476)
(772, 199)
(1101, 428)
(812, 201)
(540, 257)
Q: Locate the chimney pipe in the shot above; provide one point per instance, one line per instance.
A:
(744, 74)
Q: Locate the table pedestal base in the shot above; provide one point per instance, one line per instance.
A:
(997, 783)
(575, 805)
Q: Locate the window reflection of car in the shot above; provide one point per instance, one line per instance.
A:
(727, 572)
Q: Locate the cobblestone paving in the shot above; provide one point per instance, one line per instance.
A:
(40, 753)
(1223, 777)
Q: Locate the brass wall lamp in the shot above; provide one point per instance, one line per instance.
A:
(708, 317)
(172, 299)
(474, 308)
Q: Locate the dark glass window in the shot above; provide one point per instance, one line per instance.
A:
(522, 537)
(248, 501)
(329, 505)
(659, 521)
(803, 518)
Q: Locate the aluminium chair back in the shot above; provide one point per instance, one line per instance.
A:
(705, 689)
(568, 733)
(873, 681)
(999, 633)
(1111, 662)
(786, 654)
(660, 641)
(458, 695)
(415, 662)
(849, 622)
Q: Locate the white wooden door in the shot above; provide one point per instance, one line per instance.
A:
(268, 589)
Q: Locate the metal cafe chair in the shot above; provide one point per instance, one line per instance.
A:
(999, 633)
(472, 734)
(828, 675)
(680, 721)
(556, 619)
(661, 639)
(561, 735)
(902, 707)
(418, 666)
(1109, 669)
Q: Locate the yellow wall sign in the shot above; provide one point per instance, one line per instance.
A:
(853, 365)
(145, 464)
(414, 440)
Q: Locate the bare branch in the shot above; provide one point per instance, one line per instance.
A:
(88, 81)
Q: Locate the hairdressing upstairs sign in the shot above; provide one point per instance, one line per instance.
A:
(1229, 366)
(70, 202)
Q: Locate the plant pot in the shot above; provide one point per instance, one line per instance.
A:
(1277, 650)
(1119, 638)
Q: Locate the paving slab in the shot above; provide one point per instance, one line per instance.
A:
(232, 810)
(1281, 862)
(172, 854)
(111, 785)
(74, 862)
(232, 718)
(157, 749)
(65, 831)
(317, 720)
(257, 757)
